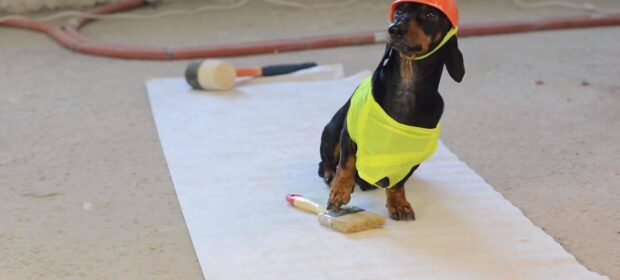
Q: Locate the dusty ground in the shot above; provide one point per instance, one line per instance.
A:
(86, 192)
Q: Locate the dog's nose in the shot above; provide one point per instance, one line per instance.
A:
(396, 30)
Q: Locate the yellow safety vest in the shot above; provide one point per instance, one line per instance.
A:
(385, 147)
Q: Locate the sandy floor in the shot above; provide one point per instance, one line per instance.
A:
(85, 188)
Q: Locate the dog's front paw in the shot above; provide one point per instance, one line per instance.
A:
(401, 211)
(337, 198)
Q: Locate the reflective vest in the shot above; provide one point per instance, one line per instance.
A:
(385, 147)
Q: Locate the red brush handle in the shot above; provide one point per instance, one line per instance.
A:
(303, 203)
(291, 198)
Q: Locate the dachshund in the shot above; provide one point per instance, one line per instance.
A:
(406, 89)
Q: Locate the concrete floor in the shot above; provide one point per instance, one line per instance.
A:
(85, 188)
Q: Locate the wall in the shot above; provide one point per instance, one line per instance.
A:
(21, 6)
(24, 6)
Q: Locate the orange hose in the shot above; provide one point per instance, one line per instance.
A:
(70, 37)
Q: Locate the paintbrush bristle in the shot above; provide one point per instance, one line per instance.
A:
(352, 222)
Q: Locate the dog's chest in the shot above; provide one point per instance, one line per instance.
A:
(400, 99)
(400, 102)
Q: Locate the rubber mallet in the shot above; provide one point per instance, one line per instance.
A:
(212, 74)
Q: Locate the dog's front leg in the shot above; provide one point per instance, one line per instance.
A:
(343, 184)
(397, 204)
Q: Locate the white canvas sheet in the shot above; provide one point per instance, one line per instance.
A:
(234, 156)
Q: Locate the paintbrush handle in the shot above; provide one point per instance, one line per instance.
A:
(303, 203)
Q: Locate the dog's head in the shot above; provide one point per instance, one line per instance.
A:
(418, 29)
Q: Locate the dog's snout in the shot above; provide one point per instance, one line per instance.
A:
(396, 30)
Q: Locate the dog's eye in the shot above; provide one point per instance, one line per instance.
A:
(430, 15)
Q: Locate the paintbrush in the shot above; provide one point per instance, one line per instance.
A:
(347, 219)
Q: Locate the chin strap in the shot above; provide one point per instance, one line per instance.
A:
(449, 35)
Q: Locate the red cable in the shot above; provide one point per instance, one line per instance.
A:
(70, 37)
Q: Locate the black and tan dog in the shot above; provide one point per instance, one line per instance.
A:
(405, 87)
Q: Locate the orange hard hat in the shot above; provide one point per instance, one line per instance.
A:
(448, 7)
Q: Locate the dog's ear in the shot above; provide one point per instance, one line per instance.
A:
(386, 55)
(384, 60)
(454, 60)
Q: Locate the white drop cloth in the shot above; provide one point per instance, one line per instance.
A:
(234, 156)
